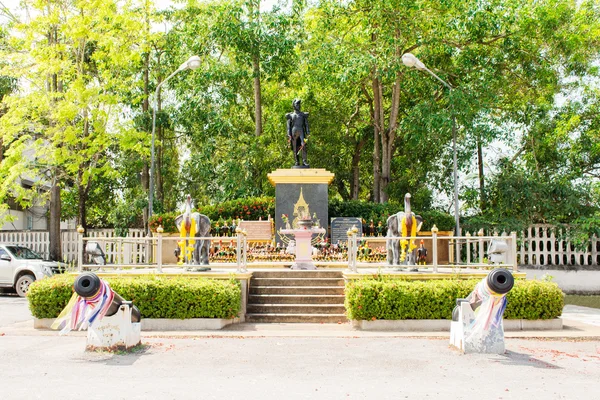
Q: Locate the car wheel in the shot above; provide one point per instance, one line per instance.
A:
(22, 285)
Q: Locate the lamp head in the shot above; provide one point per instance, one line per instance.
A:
(410, 61)
(193, 62)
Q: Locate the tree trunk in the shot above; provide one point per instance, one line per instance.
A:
(257, 97)
(254, 11)
(342, 189)
(54, 223)
(355, 168)
(377, 110)
(82, 197)
(482, 196)
(55, 206)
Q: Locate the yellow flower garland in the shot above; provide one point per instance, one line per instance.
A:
(413, 233)
(186, 251)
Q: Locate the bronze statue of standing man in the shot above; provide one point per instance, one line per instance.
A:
(297, 130)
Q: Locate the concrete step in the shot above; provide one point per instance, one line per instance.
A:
(295, 309)
(298, 318)
(298, 274)
(296, 299)
(297, 282)
(297, 290)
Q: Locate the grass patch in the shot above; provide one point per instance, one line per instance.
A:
(582, 300)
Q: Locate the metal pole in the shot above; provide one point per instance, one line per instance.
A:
(513, 247)
(480, 234)
(159, 251)
(151, 185)
(434, 247)
(455, 169)
(245, 244)
(354, 251)
(455, 166)
(239, 250)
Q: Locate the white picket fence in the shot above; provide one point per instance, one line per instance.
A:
(38, 241)
(122, 251)
(538, 245)
(542, 245)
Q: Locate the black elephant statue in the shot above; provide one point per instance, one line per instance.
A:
(196, 225)
(394, 229)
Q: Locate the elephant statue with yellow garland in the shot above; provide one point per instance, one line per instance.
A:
(403, 224)
(193, 225)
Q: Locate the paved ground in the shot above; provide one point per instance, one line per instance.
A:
(40, 367)
(13, 309)
(273, 364)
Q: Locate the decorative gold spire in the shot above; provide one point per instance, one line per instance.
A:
(300, 209)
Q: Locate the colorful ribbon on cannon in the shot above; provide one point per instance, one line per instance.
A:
(81, 312)
(492, 306)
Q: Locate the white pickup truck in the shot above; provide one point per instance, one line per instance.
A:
(19, 267)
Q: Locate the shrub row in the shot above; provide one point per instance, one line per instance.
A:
(391, 299)
(251, 209)
(154, 296)
(380, 212)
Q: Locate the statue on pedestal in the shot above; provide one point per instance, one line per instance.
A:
(193, 225)
(406, 225)
(298, 132)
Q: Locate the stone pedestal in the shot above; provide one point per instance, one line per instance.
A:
(303, 239)
(302, 190)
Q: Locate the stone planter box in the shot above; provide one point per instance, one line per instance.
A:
(443, 325)
(163, 324)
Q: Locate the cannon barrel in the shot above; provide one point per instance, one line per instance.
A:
(88, 284)
(499, 280)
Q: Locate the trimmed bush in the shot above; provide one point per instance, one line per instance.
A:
(250, 209)
(380, 213)
(253, 208)
(154, 296)
(392, 299)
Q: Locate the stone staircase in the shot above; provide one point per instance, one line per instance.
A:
(296, 296)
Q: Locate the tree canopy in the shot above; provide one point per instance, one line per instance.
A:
(524, 75)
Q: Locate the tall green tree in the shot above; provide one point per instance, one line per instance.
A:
(77, 57)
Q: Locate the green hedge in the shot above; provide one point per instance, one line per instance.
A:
(369, 299)
(251, 209)
(154, 296)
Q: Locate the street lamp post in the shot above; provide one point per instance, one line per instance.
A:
(192, 63)
(410, 60)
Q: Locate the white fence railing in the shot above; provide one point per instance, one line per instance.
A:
(39, 241)
(545, 245)
(538, 245)
(150, 252)
(464, 251)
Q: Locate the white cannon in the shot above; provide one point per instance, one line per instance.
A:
(476, 325)
(111, 322)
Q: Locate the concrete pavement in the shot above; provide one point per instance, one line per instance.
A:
(297, 361)
(40, 367)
